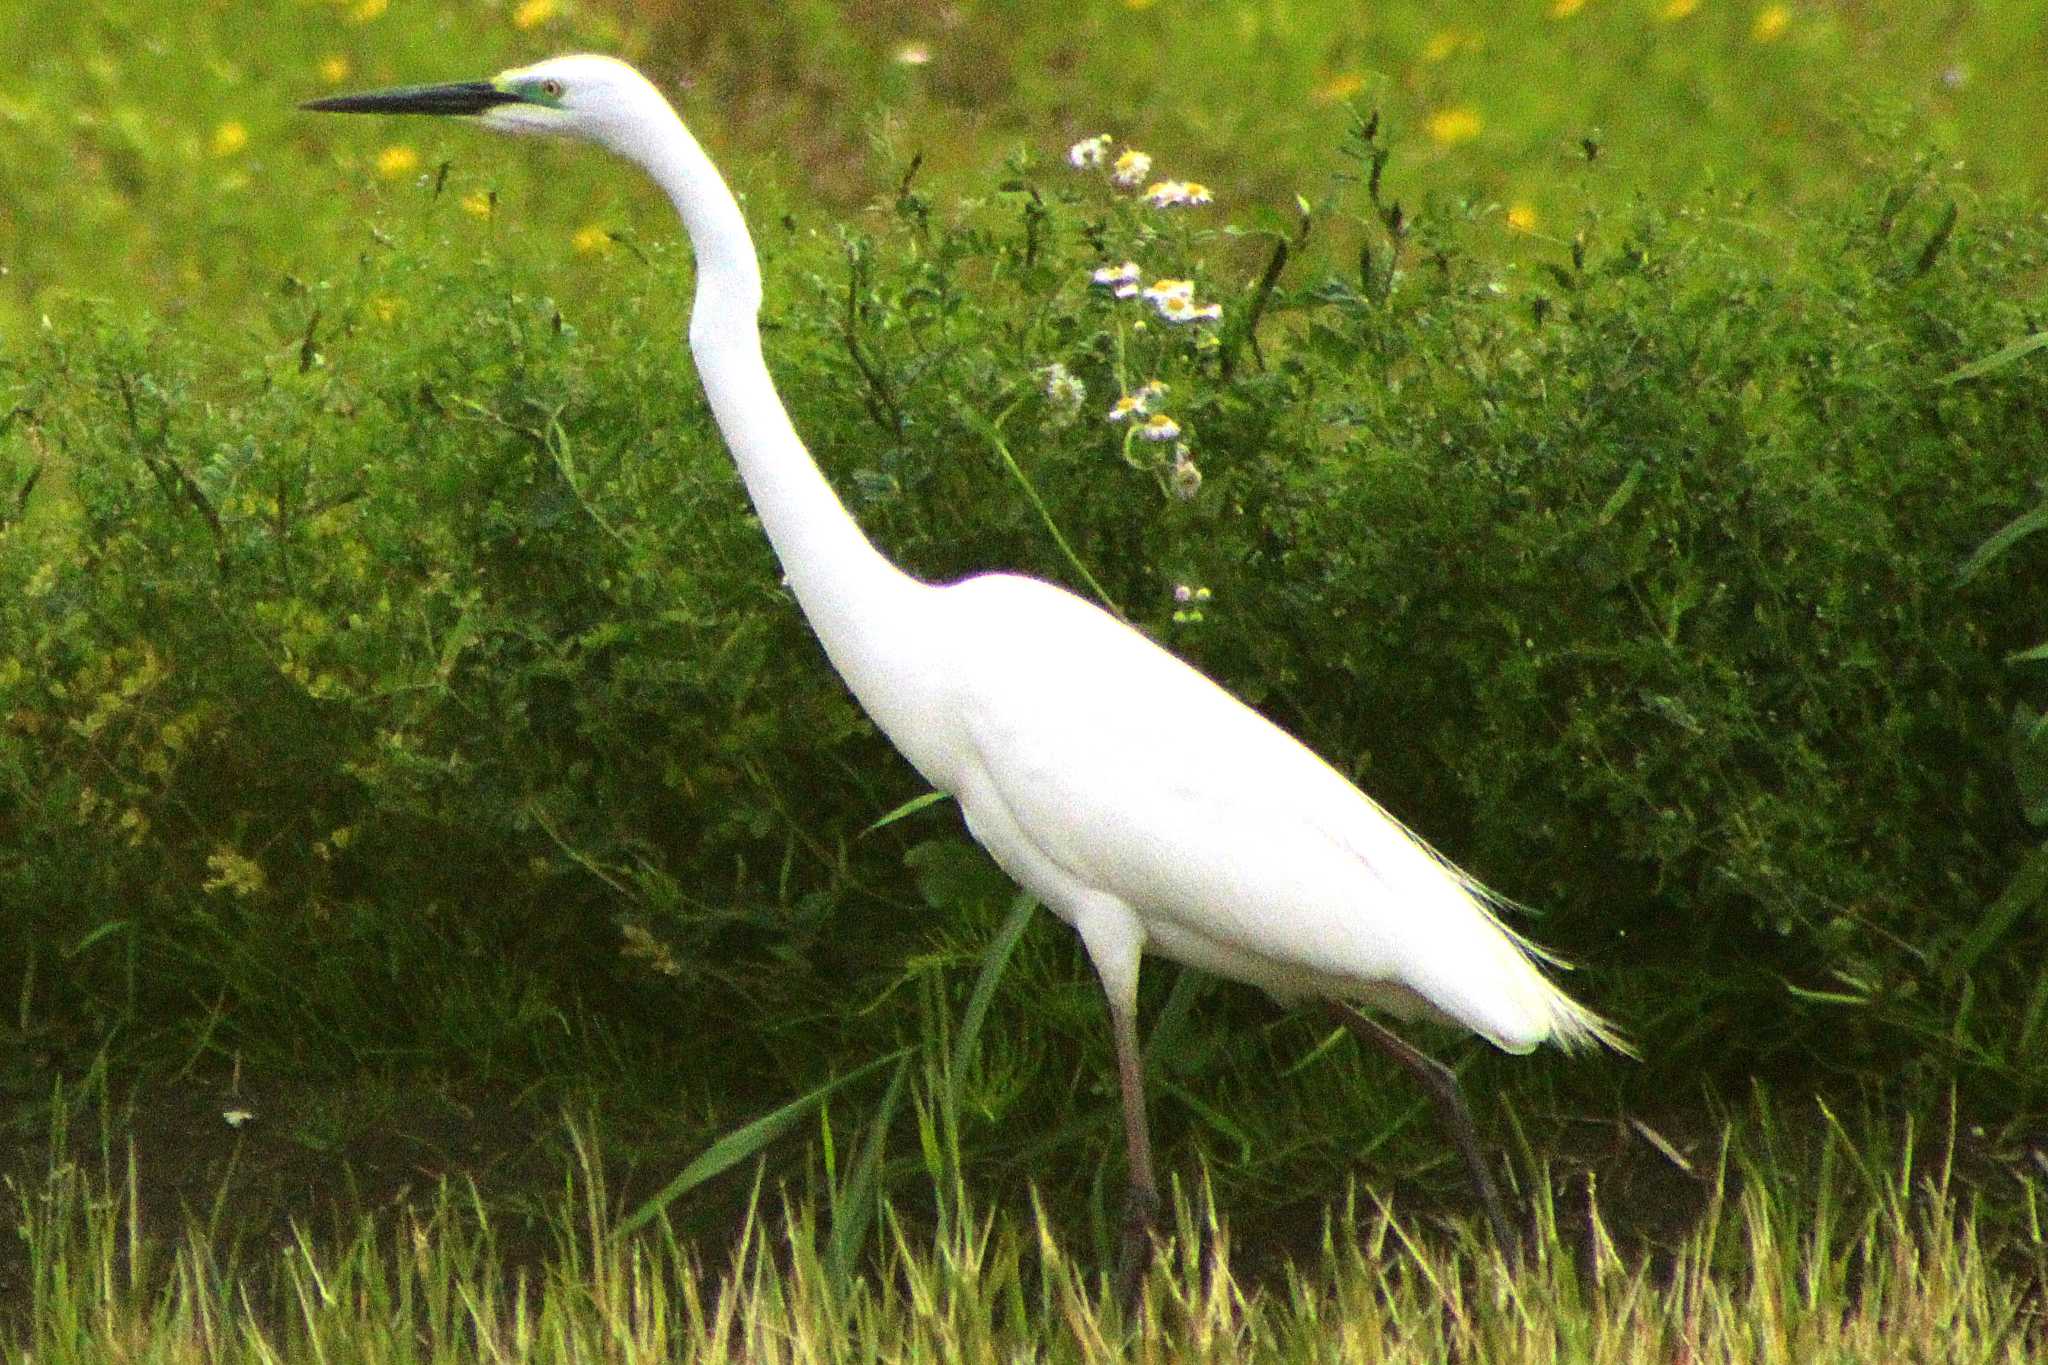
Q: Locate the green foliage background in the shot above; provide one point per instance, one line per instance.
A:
(394, 679)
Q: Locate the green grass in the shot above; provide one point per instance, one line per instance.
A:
(1874, 1257)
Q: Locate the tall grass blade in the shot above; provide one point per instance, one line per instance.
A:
(906, 810)
(995, 960)
(1998, 359)
(854, 1205)
(742, 1143)
(2003, 539)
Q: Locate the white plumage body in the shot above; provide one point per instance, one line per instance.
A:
(1140, 801)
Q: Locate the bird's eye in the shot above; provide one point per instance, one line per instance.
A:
(551, 88)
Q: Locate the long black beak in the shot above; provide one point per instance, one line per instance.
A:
(465, 97)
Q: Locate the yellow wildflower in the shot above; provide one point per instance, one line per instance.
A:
(1449, 127)
(1339, 87)
(590, 238)
(366, 10)
(1674, 10)
(1565, 9)
(397, 160)
(534, 13)
(1444, 43)
(233, 872)
(1522, 218)
(334, 68)
(478, 203)
(1771, 23)
(229, 138)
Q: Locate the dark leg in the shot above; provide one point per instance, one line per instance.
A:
(1141, 1197)
(1441, 1085)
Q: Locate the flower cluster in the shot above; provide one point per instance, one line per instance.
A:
(1172, 299)
(1175, 301)
(1167, 194)
(1155, 426)
(1128, 172)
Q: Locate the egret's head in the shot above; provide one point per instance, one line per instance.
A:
(597, 98)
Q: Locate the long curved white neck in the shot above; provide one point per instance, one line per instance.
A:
(847, 590)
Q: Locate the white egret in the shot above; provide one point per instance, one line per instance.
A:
(1143, 804)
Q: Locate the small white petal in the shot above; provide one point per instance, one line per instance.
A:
(1127, 273)
(1089, 151)
(1161, 290)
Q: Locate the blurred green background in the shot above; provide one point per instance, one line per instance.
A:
(153, 156)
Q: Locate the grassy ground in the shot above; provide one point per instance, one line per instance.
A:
(1851, 1255)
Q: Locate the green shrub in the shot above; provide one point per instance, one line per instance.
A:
(421, 687)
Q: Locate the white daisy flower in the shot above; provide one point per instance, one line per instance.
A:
(1159, 291)
(1089, 151)
(1131, 169)
(1159, 427)
(1131, 404)
(1169, 193)
(1151, 389)
(1113, 275)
